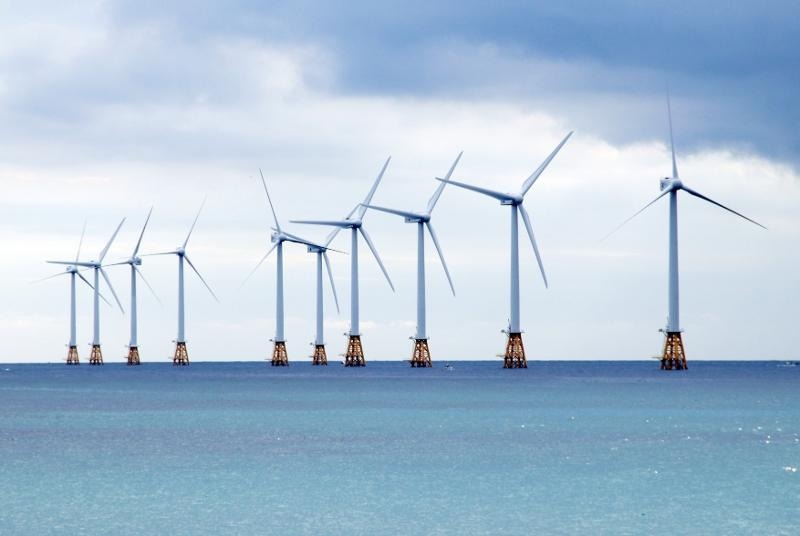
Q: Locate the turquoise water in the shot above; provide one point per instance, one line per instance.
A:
(243, 448)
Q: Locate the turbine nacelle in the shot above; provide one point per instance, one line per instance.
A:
(670, 184)
(511, 200)
(417, 218)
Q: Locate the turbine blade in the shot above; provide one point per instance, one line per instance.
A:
(299, 240)
(330, 277)
(139, 243)
(618, 227)
(333, 223)
(71, 263)
(194, 223)
(485, 191)
(111, 287)
(368, 199)
(331, 236)
(535, 175)
(85, 280)
(46, 278)
(105, 249)
(671, 139)
(441, 256)
(80, 242)
(160, 253)
(271, 206)
(720, 205)
(147, 284)
(201, 278)
(396, 212)
(527, 219)
(246, 279)
(375, 254)
(440, 189)
(92, 287)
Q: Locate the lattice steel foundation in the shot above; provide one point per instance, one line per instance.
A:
(421, 356)
(319, 357)
(72, 356)
(674, 357)
(279, 356)
(96, 357)
(181, 357)
(515, 352)
(354, 357)
(133, 356)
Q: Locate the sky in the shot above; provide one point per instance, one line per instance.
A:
(109, 108)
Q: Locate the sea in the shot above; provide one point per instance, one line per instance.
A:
(468, 448)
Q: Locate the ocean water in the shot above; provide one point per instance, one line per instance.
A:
(244, 448)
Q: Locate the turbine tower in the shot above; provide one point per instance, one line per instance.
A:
(279, 356)
(96, 357)
(673, 356)
(181, 356)
(421, 356)
(515, 351)
(72, 270)
(134, 262)
(354, 355)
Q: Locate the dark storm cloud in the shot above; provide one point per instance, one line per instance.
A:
(733, 66)
(602, 67)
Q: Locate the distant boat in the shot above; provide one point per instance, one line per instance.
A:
(788, 364)
(448, 366)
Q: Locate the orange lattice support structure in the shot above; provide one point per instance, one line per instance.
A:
(674, 356)
(355, 353)
(96, 357)
(515, 352)
(279, 356)
(133, 356)
(319, 357)
(181, 357)
(72, 356)
(421, 357)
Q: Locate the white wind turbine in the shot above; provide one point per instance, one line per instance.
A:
(181, 356)
(96, 357)
(319, 357)
(134, 262)
(278, 237)
(673, 355)
(420, 356)
(72, 270)
(515, 351)
(354, 356)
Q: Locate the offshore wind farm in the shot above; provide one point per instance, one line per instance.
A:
(364, 268)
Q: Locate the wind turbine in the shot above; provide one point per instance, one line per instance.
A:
(354, 356)
(72, 270)
(135, 261)
(279, 356)
(421, 356)
(96, 357)
(181, 356)
(515, 351)
(674, 356)
(320, 357)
